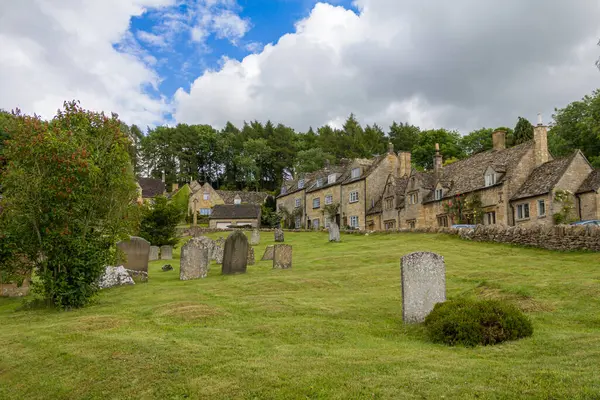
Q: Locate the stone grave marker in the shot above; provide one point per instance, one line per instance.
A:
(255, 239)
(268, 253)
(423, 276)
(282, 256)
(217, 253)
(194, 260)
(250, 255)
(334, 232)
(137, 253)
(166, 252)
(153, 253)
(279, 235)
(235, 254)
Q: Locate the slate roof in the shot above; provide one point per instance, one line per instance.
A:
(401, 185)
(235, 211)
(342, 171)
(228, 196)
(543, 179)
(591, 183)
(151, 187)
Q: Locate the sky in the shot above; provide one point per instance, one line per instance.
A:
(462, 65)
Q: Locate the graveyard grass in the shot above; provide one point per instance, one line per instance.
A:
(329, 328)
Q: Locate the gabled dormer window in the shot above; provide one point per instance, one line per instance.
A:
(439, 193)
(301, 184)
(355, 173)
(331, 179)
(490, 177)
(319, 182)
(283, 190)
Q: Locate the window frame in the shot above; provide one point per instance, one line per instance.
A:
(351, 221)
(350, 195)
(205, 211)
(490, 179)
(413, 198)
(319, 182)
(521, 211)
(318, 203)
(331, 179)
(206, 196)
(543, 203)
(301, 184)
(330, 201)
(355, 173)
(298, 202)
(439, 194)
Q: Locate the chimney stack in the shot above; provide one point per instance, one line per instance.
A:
(437, 160)
(390, 148)
(540, 142)
(404, 163)
(499, 140)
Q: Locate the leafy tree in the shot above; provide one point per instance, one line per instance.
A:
(69, 196)
(477, 141)
(424, 151)
(181, 198)
(373, 141)
(159, 222)
(523, 131)
(404, 136)
(312, 160)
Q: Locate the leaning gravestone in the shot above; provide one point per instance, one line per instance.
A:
(250, 255)
(194, 260)
(255, 239)
(137, 253)
(235, 254)
(282, 256)
(268, 253)
(423, 284)
(166, 252)
(279, 235)
(334, 232)
(154, 253)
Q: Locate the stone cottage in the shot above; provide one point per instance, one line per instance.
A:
(224, 216)
(149, 188)
(204, 198)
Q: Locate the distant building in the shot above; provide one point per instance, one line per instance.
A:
(149, 188)
(204, 198)
(224, 216)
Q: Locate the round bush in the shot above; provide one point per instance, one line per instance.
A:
(476, 322)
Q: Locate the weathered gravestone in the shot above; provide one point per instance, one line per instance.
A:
(334, 232)
(153, 253)
(282, 256)
(137, 253)
(250, 255)
(115, 276)
(268, 253)
(194, 260)
(166, 252)
(217, 252)
(279, 235)
(423, 284)
(235, 254)
(255, 239)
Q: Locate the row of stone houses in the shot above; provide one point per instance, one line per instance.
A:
(520, 185)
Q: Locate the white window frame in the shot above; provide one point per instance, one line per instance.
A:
(301, 184)
(206, 196)
(354, 223)
(355, 173)
(298, 202)
(413, 198)
(328, 199)
(317, 201)
(521, 208)
(490, 179)
(319, 182)
(330, 179)
(439, 193)
(543, 203)
(205, 211)
(353, 197)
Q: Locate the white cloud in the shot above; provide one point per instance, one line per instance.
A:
(151, 39)
(462, 64)
(228, 25)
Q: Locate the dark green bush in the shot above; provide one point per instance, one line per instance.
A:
(159, 223)
(476, 322)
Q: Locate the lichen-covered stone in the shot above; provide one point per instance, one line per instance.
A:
(115, 276)
(423, 276)
(268, 255)
(282, 256)
(250, 255)
(279, 235)
(194, 260)
(334, 232)
(154, 252)
(255, 239)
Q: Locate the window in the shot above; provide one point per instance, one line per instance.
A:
(442, 221)
(490, 178)
(317, 202)
(389, 225)
(389, 203)
(411, 224)
(237, 200)
(297, 222)
(541, 208)
(298, 203)
(283, 190)
(327, 222)
(354, 222)
(315, 223)
(353, 197)
(206, 196)
(489, 218)
(523, 211)
(301, 184)
(355, 172)
(331, 179)
(205, 211)
(413, 198)
(439, 193)
(319, 182)
(328, 199)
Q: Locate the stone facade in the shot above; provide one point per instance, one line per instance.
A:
(589, 205)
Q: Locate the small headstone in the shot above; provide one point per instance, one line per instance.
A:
(115, 276)
(250, 255)
(279, 235)
(166, 252)
(282, 256)
(217, 253)
(268, 253)
(153, 253)
(137, 253)
(423, 284)
(235, 254)
(194, 260)
(334, 232)
(167, 267)
(255, 239)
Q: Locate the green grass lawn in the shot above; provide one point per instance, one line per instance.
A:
(329, 328)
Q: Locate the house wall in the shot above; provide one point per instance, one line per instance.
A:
(317, 213)
(373, 222)
(214, 222)
(534, 217)
(377, 179)
(353, 209)
(589, 204)
(576, 173)
(213, 199)
(289, 202)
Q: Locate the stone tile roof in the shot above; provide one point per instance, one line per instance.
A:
(151, 187)
(401, 185)
(342, 171)
(235, 211)
(257, 198)
(377, 208)
(367, 167)
(591, 183)
(291, 185)
(543, 179)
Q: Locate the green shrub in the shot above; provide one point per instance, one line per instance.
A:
(476, 322)
(159, 224)
(181, 198)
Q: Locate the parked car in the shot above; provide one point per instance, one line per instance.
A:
(592, 222)
(463, 226)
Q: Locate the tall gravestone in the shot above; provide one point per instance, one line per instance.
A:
(334, 232)
(235, 254)
(282, 256)
(137, 253)
(154, 250)
(279, 235)
(255, 239)
(217, 252)
(194, 260)
(166, 252)
(268, 255)
(423, 276)
(250, 255)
